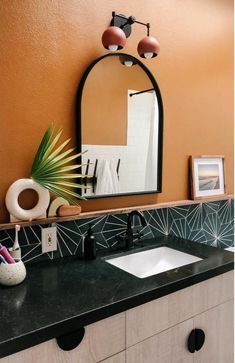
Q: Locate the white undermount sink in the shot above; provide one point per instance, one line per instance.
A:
(152, 262)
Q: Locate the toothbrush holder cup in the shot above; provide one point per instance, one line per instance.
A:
(12, 274)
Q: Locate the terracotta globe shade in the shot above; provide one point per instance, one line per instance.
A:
(113, 38)
(148, 47)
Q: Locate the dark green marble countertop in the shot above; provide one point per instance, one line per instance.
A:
(60, 296)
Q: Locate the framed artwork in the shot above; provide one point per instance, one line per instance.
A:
(207, 176)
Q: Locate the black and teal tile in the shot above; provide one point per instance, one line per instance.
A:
(226, 235)
(115, 225)
(226, 211)
(5, 238)
(194, 217)
(70, 232)
(26, 236)
(33, 253)
(211, 227)
(148, 215)
(115, 221)
(180, 228)
(30, 235)
(210, 222)
(147, 231)
(232, 207)
(66, 245)
(96, 223)
(33, 234)
(198, 236)
(210, 208)
(11, 236)
(100, 241)
(175, 214)
(159, 222)
(178, 212)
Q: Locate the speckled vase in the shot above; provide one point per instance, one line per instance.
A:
(12, 274)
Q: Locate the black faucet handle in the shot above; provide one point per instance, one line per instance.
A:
(138, 235)
(138, 241)
(120, 238)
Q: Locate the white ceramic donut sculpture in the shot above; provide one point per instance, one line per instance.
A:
(13, 206)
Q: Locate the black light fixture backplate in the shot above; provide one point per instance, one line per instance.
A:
(122, 23)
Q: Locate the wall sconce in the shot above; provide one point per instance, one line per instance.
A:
(114, 37)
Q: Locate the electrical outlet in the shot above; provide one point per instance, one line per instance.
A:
(49, 239)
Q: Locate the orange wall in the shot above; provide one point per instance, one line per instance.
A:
(45, 47)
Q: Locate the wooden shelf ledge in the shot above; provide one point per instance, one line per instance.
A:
(100, 213)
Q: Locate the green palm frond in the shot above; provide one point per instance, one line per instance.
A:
(50, 168)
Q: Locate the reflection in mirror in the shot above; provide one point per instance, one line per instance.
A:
(121, 128)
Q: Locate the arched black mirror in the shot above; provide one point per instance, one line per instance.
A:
(120, 124)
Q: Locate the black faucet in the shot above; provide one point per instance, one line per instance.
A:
(129, 235)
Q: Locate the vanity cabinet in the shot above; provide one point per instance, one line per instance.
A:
(155, 332)
(158, 331)
(170, 346)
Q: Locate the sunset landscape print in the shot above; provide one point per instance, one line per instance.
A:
(208, 175)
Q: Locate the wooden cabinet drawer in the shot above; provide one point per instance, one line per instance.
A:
(217, 324)
(117, 358)
(170, 346)
(212, 292)
(102, 339)
(151, 318)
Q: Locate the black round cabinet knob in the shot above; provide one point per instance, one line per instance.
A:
(191, 341)
(200, 339)
(72, 340)
(196, 340)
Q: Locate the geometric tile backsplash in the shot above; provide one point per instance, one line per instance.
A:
(211, 223)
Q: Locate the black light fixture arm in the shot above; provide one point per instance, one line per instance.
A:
(148, 27)
(125, 22)
(129, 20)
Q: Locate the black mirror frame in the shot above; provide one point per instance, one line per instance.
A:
(160, 125)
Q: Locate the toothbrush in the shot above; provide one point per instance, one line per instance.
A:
(2, 260)
(5, 254)
(16, 243)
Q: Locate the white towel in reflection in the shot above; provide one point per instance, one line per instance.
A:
(107, 179)
(152, 155)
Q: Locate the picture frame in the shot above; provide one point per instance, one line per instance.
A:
(207, 177)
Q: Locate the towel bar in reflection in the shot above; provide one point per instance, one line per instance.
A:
(93, 179)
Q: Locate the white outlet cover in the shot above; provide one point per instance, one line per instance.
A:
(49, 239)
